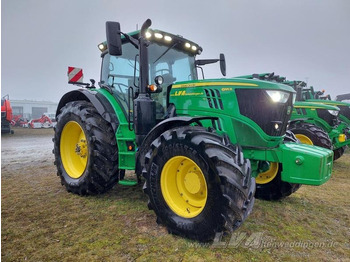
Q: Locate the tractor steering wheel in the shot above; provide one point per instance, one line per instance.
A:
(166, 71)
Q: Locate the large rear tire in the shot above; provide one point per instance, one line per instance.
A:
(269, 185)
(86, 153)
(198, 183)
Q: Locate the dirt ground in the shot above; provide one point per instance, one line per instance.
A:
(40, 221)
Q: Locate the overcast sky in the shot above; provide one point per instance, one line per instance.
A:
(300, 39)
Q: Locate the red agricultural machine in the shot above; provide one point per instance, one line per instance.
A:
(18, 120)
(6, 115)
(45, 121)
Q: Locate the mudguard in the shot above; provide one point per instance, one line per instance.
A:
(101, 104)
(161, 127)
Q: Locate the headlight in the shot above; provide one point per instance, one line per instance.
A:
(278, 96)
(159, 80)
(333, 112)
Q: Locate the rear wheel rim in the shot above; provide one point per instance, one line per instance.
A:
(74, 149)
(304, 139)
(184, 187)
(269, 175)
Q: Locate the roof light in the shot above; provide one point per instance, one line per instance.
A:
(148, 34)
(187, 45)
(194, 48)
(167, 38)
(158, 35)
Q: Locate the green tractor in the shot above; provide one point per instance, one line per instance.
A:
(309, 94)
(336, 122)
(313, 123)
(199, 144)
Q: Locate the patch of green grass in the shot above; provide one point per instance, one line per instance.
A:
(42, 222)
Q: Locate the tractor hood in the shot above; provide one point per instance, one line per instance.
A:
(313, 105)
(234, 83)
(329, 102)
(253, 112)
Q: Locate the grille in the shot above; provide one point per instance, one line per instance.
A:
(214, 98)
(345, 111)
(328, 117)
(257, 105)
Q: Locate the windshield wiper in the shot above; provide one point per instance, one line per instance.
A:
(166, 51)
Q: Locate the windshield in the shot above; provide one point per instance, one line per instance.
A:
(167, 61)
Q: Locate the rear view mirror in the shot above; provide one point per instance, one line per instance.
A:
(223, 64)
(114, 41)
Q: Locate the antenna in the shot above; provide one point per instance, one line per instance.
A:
(137, 27)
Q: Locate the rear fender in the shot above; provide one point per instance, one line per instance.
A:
(101, 104)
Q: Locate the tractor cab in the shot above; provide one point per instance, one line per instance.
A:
(171, 59)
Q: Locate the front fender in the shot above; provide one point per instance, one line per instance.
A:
(160, 128)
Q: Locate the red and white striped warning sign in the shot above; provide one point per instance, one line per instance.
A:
(75, 74)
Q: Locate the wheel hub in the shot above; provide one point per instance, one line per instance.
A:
(81, 148)
(192, 182)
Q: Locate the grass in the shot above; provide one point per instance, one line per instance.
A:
(42, 222)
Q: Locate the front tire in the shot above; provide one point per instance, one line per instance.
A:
(313, 135)
(198, 183)
(86, 153)
(338, 152)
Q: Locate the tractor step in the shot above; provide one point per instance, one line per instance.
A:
(128, 182)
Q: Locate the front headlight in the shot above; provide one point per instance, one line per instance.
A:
(278, 96)
(333, 112)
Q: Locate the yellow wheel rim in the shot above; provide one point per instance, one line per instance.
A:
(269, 175)
(183, 186)
(304, 139)
(74, 149)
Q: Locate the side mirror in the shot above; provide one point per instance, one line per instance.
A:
(114, 40)
(223, 64)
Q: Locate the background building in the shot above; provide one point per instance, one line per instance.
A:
(32, 109)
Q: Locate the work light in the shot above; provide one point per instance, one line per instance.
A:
(278, 96)
(333, 112)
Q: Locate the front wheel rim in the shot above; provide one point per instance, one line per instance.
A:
(74, 149)
(304, 139)
(184, 186)
(269, 175)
